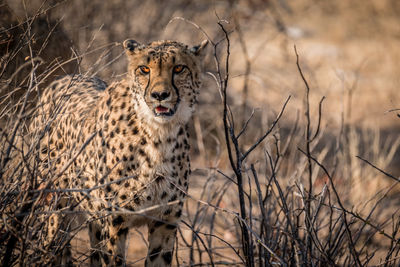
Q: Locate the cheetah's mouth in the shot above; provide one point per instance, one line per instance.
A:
(163, 111)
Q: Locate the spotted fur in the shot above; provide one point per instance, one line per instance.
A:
(124, 147)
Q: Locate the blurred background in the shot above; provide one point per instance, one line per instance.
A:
(348, 51)
(344, 46)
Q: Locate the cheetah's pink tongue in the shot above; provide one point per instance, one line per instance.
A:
(161, 109)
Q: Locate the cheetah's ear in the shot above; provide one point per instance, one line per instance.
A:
(130, 46)
(198, 50)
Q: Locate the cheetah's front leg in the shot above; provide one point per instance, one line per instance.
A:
(161, 243)
(58, 236)
(58, 240)
(114, 233)
(96, 237)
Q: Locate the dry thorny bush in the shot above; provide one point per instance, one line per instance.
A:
(282, 196)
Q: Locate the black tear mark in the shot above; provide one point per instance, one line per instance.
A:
(167, 256)
(154, 253)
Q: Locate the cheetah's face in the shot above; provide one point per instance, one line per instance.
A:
(165, 77)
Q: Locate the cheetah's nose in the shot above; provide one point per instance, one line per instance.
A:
(160, 96)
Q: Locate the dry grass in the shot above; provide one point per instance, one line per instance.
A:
(304, 197)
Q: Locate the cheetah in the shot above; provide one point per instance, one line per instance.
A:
(119, 154)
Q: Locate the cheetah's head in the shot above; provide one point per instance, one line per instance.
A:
(165, 77)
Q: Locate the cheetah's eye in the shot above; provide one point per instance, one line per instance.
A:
(144, 69)
(178, 68)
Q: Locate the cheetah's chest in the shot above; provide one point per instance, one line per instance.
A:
(147, 174)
